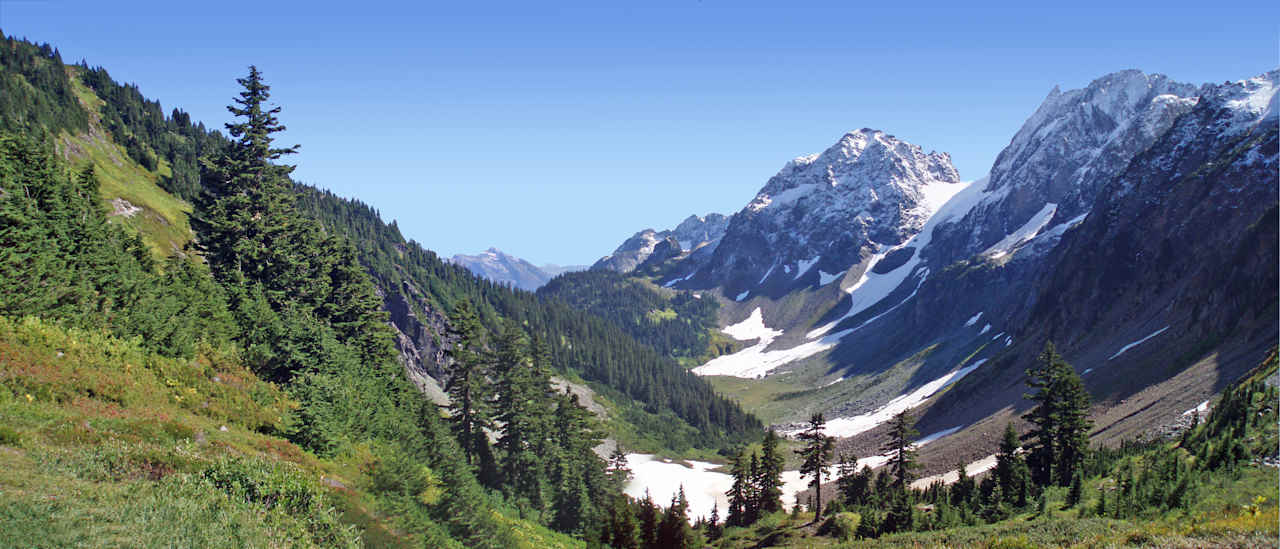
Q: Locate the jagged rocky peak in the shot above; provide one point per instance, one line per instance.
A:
(827, 211)
(1077, 141)
(694, 233)
(697, 231)
(867, 169)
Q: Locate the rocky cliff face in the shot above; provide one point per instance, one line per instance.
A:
(1054, 167)
(870, 191)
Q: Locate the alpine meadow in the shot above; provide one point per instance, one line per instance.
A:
(201, 348)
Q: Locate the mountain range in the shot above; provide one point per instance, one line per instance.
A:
(1131, 222)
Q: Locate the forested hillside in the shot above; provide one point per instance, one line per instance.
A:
(678, 324)
(169, 149)
(268, 299)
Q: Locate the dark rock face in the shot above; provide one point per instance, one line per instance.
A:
(1063, 155)
(421, 339)
(869, 190)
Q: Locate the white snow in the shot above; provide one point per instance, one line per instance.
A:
(997, 336)
(955, 199)
(704, 487)
(1024, 234)
(742, 295)
(663, 478)
(980, 466)
(1008, 340)
(805, 265)
(985, 329)
(1199, 409)
(1086, 372)
(751, 328)
(677, 281)
(755, 361)
(766, 274)
(786, 269)
(824, 278)
(1138, 342)
(973, 319)
(850, 426)
(785, 197)
(935, 436)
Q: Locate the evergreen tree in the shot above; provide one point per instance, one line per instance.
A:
(467, 385)
(1059, 437)
(740, 492)
(674, 532)
(768, 479)
(901, 450)
(816, 456)
(648, 522)
(1011, 471)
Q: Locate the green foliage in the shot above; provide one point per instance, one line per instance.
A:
(579, 343)
(677, 326)
(36, 96)
(1059, 437)
(816, 456)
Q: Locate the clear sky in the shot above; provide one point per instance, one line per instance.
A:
(554, 130)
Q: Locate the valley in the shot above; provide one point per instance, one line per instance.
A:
(1078, 348)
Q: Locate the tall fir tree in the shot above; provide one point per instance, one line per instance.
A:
(1011, 470)
(1059, 437)
(901, 450)
(768, 479)
(467, 384)
(816, 456)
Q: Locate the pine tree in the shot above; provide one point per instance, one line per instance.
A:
(768, 478)
(674, 532)
(902, 451)
(739, 493)
(648, 522)
(466, 385)
(1011, 471)
(1059, 437)
(816, 455)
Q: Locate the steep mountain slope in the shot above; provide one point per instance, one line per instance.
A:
(502, 268)
(867, 279)
(825, 212)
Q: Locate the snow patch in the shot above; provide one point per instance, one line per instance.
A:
(850, 426)
(663, 479)
(1201, 409)
(1138, 342)
(980, 466)
(755, 361)
(973, 319)
(805, 265)
(955, 199)
(742, 295)
(824, 278)
(985, 329)
(1024, 234)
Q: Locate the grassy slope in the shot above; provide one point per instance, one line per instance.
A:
(162, 221)
(104, 444)
(1228, 516)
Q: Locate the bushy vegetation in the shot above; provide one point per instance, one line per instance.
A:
(679, 326)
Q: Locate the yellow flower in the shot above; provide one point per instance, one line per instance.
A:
(30, 398)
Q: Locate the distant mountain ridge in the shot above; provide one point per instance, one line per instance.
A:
(503, 268)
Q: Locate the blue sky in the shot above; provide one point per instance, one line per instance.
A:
(555, 130)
